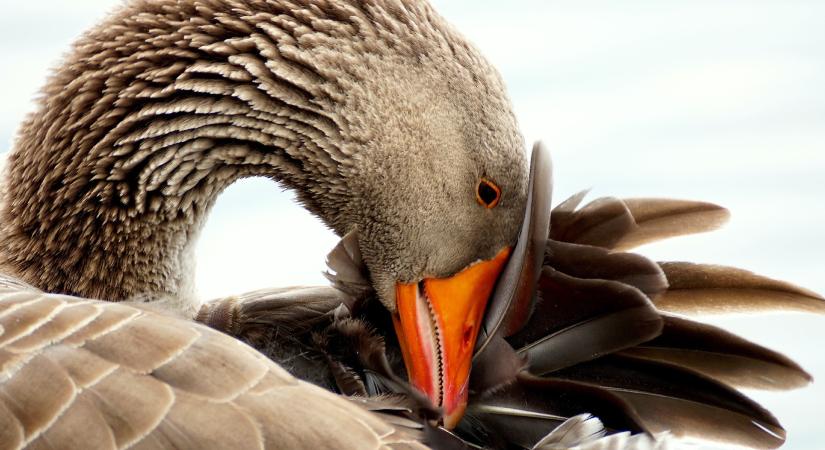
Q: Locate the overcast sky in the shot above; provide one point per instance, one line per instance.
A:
(709, 100)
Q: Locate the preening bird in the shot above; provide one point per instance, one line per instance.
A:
(378, 114)
(399, 136)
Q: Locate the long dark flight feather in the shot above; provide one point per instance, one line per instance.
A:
(711, 289)
(497, 366)
(600, 223)
(512, 299)
(585, 261)
(686, 403)
(623, 224)
(659, 219)
(582, 319)
(441, 439)
(721, 355)
(524, 412)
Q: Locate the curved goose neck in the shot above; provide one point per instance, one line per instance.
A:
(168, 102)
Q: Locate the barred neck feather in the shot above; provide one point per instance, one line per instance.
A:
(166, 103)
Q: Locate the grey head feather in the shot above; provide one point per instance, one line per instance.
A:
(379, 115)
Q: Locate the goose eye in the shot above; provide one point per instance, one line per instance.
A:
(487, 193)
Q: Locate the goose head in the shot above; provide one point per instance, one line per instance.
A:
(378, 114)
(439, 213)
(437, 196)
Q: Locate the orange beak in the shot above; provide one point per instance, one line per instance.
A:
(437, 324)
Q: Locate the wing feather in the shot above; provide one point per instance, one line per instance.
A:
(525, 411)
(71, 319)
(81, 426)
(721, 355)
(133, 377)
(600, 223)
(37, 393)
(132, 404)
(589, 262)
(683, 402)
(145, 344)
(12, 433)
(659, 219)
(623, 224)
(711, 289)
(572, 432)
(511, 302)
(581, 319)
(23, 318)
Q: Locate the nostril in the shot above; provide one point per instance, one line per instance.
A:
(467, 335)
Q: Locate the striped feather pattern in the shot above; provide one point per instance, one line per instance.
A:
(78, 373)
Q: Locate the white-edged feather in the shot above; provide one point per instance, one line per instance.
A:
(585, 432)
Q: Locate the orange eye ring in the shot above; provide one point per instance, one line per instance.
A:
(488, 193)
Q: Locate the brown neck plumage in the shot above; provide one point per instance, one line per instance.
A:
(167, 103)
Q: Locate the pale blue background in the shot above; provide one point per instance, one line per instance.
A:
(720, 101)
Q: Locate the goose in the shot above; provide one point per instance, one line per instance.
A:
(379, 115)
(390, 127)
